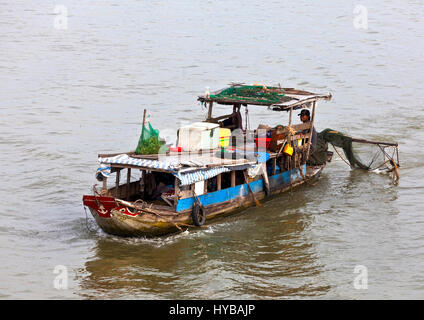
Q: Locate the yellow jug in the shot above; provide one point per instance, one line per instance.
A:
(288, 149)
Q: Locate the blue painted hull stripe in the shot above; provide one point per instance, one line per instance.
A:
(216, 197)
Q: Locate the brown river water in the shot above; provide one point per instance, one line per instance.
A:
(72, 88)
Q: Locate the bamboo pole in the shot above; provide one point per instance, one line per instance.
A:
(176, 192)
(128, 182)
(290, 116)
(290, 124)
(374, 142)
(118, 174)
(233, 178)
(289, 139)
(104, 188)
(265, 178)
(144, 117)
(274, 166)
(143, 180)
(258, 204)
(311, 131)
(210, 110)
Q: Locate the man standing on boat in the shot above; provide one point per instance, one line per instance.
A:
(305, 117)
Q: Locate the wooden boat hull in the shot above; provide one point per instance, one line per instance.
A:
(117, 219)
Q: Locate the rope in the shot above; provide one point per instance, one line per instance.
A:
(395, 169)
(341, 156)
(292, 132)
(86, 222)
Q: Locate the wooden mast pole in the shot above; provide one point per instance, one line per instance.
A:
(210, 110)
(140, 141)
(128, 183)
(118, 174)
(144, 121)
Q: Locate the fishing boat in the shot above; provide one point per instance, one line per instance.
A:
(218, 167)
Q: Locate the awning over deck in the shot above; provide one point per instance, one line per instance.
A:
(276, 97)
(188, 169)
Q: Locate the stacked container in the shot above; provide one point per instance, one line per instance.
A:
(199, 136)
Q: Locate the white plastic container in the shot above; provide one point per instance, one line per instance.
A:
(199, 136)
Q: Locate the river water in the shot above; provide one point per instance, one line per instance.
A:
(72, 88)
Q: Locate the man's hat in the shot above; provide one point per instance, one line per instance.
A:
(304, 112)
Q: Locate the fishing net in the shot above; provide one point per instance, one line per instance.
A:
(340, 140)
(362, 154)
(259, 93)
(319, 155)
(149, 142)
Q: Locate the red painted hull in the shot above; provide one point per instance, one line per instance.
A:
(102, 205)
(101, 208)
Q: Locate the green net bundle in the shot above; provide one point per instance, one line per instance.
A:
(372, 155)
(260, 93)
(149, 142)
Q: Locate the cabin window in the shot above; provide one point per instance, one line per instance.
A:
(212, 184)
(239, 177)
(225, 180)
(158, 183)
(126, 184)
(231, 179)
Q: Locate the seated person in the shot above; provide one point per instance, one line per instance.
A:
(305, 117)
(234, 121)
